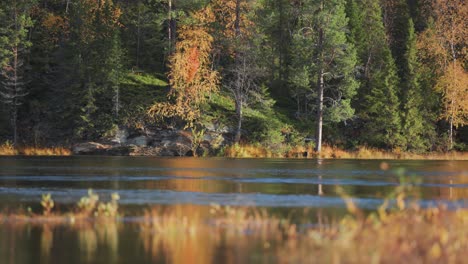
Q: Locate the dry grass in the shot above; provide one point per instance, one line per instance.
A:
(8, 150)
(330, 152)
(187, 233)
(55, 151)
(411, 235)
(250, 151)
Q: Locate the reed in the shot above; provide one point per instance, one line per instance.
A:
(7, 149)
(403, 234)
(53, 151)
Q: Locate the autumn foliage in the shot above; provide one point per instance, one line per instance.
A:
(191, 76)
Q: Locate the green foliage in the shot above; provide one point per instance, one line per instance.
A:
(109, 209)
(97, 66)
(87, 204)
(321, 50)
(197, 138)
(414, 129)
(377, 103)
(90, 206)
(143, 79)
(47, 204)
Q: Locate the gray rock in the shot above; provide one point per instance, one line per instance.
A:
(90, 148)
(140, 141)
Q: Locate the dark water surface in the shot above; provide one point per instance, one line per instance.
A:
(279, 185)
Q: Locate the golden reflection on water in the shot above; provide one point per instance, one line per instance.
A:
(97, 235)
(47, 240)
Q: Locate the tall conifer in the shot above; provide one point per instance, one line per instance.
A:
(377, 103)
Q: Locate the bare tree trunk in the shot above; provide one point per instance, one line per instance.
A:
(451, 134)
(14, 121)
(116, 102)
(318, 137)
(172, 26)
(237, 21)
(66, 7)
(138, 39)
(320, 87)
(239, 122)
(15, 104)
(237, 63)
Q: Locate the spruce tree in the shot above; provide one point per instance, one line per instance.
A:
(413, 120)
(91, 72)
(396, 19)
(378, 106)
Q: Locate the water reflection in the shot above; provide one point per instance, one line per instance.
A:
(180, 185)
(144, 180)
(176, 234)
(320, 187)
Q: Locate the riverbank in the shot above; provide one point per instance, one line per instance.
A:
(252, 151)
(405, 234)
(233, 151)
(9, 150)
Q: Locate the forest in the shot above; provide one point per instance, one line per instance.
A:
(386, 74)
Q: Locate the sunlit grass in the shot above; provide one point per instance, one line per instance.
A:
(7, 149)
(55, 151)
(330, 152)
(250, 151)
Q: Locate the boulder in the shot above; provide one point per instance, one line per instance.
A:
(90, 148)
(140, 141)
(121, 136)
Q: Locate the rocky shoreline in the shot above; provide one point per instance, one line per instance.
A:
(158, 142)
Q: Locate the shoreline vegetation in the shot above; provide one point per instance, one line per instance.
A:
(405, 233)
(257, 151)
(9, 150)
(198, 77)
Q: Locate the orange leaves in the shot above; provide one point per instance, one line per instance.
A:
(191, 76)
(56, 26)
(193, 64)
(226, 15)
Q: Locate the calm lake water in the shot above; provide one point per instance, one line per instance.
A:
(281, 186)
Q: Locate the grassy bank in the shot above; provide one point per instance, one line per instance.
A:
(405, 234)
(258, 151)
(9, 150)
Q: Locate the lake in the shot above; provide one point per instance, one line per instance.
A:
(285, 187)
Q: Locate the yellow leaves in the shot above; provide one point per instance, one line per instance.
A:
(444, 44)
(435, 252)
(56, 25)
(205, 15)
(226, 15)
(94, 12)
(453, 85)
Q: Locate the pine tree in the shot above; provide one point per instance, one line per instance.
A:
(14, 44)
(378, 106)
(274, 20)
(324, 61)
